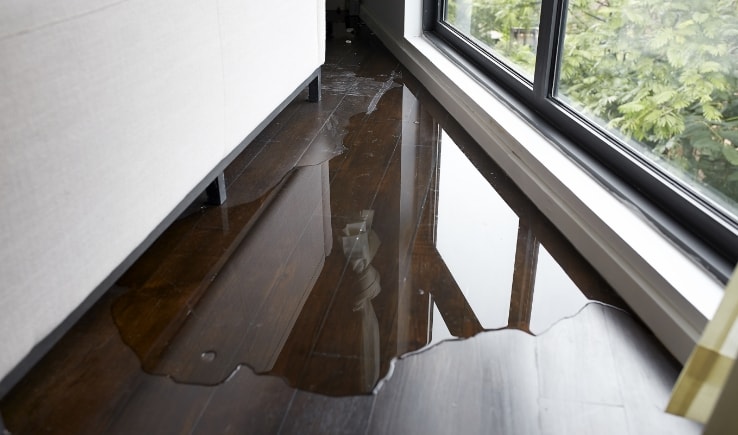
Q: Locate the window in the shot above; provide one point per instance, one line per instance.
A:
(647, 89)
(508, 29)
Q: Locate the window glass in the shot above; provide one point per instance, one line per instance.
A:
(647, 87)
(507, 28)
(662, 75)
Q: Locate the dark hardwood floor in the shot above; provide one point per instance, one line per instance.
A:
(372, 271)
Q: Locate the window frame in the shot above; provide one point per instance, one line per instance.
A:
(706, 233)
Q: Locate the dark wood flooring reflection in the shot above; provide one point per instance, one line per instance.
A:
(372, 271)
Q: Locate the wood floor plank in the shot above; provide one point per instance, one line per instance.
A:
(560, 417)
(80, 385)
(330, 140)
(496, 391)
(251, 305)
(158, 405)
(246, 404)
(243, 160)
(153, 310)
(507, 374)
(354, 193)
(586, 372)
(646, 374)
(287, 146)
(312, 413)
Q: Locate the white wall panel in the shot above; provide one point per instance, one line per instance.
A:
(267, 53)
(108, 120)
(23, 16)
(111, 112)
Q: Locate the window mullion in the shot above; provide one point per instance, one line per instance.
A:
(549, 41)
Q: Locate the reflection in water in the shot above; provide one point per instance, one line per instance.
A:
(289, 283)
(477, 234)
(439, 331)
(360, 244)
(198, 325)
(554, 298)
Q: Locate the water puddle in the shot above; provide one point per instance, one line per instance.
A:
(388, 234)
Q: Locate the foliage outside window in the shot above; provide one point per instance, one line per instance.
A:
(508, 27)
(660, 77)
(664, 74)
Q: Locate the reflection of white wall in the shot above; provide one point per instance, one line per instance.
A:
(477, 236)
(110, 114)
(555, 295)
(439, 330)
(408, 212)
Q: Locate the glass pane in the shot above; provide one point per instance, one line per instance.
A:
(506, 28)
(663, 76)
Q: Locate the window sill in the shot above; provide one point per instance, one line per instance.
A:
(671, 293)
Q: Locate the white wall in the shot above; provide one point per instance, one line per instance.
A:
(111, 112)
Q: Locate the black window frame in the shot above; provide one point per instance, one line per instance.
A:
(704, 232)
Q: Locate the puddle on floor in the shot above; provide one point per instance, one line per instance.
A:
(380, 246)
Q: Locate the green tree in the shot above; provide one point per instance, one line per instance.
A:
(662, 73)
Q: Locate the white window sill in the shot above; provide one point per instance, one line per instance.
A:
(671, 293)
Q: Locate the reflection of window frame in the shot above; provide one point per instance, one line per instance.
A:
(703, 231)
(534, 232)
